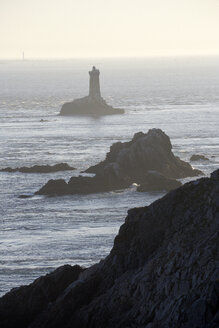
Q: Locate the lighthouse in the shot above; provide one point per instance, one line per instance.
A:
(94, 89)
(93, 104)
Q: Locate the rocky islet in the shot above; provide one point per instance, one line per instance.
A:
(40, 168)
(127, 163)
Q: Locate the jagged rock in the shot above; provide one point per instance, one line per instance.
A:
(54, 187)
(162, 271)
(197, 157)
(40, 168)
(150, 151)
(81, 185)
(128, 163)
(93, 104)
(21, 305)
(155, 181)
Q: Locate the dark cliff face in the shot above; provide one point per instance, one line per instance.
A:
(22, 305)
(162, 271)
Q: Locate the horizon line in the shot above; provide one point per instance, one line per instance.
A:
(107, 57)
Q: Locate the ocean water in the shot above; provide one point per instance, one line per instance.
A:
(38, 234)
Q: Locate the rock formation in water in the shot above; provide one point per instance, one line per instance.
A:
(155, 181)
(127, 163)
(40, 168)
(197, 157)
(162, 272)
(150, 151)
(93, 104)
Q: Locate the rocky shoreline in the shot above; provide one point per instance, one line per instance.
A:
(161, 272)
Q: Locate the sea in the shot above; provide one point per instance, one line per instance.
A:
(179, 95)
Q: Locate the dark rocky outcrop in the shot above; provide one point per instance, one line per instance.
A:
(24, 196)
(155, 181)
(150, 151)
(22, 305)
(89, 106)
(82, 185)
(40, 168)
(162, 271)
(197, 157)
(128, 163)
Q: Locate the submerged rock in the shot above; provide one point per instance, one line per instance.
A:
(93, 104)
(128, 163)
(197, 157)
(161, 272)
(24, 196)
(40, 168)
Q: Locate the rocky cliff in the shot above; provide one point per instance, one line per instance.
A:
(127, 163)
(162, 272)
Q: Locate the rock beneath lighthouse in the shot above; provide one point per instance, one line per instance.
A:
(89, 106)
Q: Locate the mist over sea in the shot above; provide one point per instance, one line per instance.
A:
(37, 234)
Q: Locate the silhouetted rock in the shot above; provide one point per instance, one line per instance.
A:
(25, 196)
(82, 185)
(40, 168)
(22, 305)
(150, 151)
(55, 187)
(128, 163)
(89, 106)
(93, 104)
(161, 272)
(197, 157)
(155, 181)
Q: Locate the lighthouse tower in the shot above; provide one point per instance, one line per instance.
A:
(94, 89)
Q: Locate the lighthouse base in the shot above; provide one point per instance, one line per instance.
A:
(89, 106)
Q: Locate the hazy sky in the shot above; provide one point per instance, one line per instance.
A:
(85, 28)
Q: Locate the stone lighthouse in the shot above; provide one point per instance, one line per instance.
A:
(94, 89)
(93, 104)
